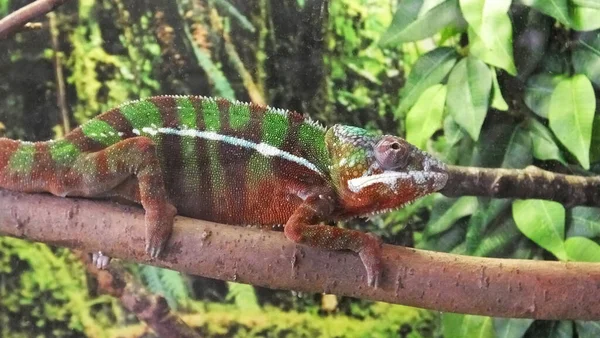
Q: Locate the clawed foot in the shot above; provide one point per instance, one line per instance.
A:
(159, 224)
(99, 260)
(371, 258)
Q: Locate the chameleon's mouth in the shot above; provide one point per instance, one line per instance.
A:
(435, 180)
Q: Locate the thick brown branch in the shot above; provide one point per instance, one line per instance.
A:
(444, 282)
(17, 19)
(531, 182)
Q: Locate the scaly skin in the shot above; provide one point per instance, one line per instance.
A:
(230, 162)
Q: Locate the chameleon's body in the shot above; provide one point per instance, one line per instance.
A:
(229, 162)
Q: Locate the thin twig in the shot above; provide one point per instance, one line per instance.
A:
(149, 308)
(61, 99)
(439, 281)
(15, 20)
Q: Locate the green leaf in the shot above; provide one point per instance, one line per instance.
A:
(447, 211)
(425, 117)
(561, 329)
(595, 149)
(459, 326)
(490, 32)
(558, 9)
(586, 56)
(543, 222)
(587, 329)
(538, 92)
(485, 213)
(544, 146)
(430, 69)
(571, 115)
(581, 249)
(584, 222)
(418, 19)
(585, 15)
(518, 150)
(468, 99)
(505, 234)
(498, 101)
(511, 327)
(243, 295)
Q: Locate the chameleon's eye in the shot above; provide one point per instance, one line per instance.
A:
(392, 153)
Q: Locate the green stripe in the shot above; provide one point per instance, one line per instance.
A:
(187, 119)
(101, 132)
(312, 140)
(274, 128)
(210, 112)
(239, 115)
(186, 112)
(212, 122)
(63, 152)
(142, 114)
(21, 162)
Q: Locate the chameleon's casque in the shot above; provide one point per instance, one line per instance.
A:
(229, 162)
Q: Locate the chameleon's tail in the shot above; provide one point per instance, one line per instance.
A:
(20, 165)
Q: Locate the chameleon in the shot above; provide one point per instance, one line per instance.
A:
(230, 162)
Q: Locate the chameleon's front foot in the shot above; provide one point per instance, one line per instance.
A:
(159, 224)
(370, 254)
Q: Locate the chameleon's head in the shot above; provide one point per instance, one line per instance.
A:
(375, 173)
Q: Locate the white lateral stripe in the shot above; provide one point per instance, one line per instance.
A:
(389, 178)
(262, 148)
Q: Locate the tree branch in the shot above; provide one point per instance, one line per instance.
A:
(444, 282)
(15, 20)
(531, 182)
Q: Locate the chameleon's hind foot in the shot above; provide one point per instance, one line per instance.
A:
(159, 224)
(99, 260)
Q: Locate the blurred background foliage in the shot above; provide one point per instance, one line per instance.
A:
(494, 83)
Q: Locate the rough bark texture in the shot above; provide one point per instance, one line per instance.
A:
(531, 182)
(444, 282)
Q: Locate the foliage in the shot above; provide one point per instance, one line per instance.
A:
(508, 56)
(167, 283)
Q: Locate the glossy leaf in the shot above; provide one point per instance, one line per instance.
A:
(446, 213)
(543, 222)
(485, 213)
(511, 327)
(571, 115)
(544, 146)
(586, 56)
(561, 329)
(459, 326)
(490, 32)
(498, 101)
(418, 19)
(584, 222)
(425, 117)
(518, 150)
(585, 14)
(430, 69)
(595, 148)
(587, 329)
(505, 234)
(581, 249)
(558, 9)
(538, 92)
(469, 87)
